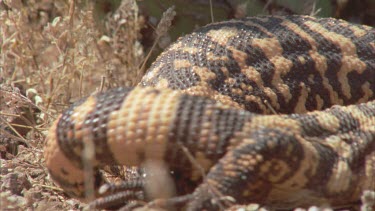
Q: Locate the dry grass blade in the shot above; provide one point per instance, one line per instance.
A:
(313, 11)
(88, 159)
(211, 12)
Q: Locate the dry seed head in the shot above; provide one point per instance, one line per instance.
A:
(165, 21)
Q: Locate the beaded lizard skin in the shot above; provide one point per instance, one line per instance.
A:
(208, 93)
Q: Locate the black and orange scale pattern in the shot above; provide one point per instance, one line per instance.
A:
(214, 93)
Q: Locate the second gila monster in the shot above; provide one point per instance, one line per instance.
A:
(208, 95)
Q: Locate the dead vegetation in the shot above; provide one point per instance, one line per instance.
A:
(53, 53)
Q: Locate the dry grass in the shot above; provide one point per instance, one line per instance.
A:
(52, 53)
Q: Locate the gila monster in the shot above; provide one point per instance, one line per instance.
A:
(275, 110)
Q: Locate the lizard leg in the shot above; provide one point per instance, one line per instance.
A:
(277, 167)
(115, 195)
